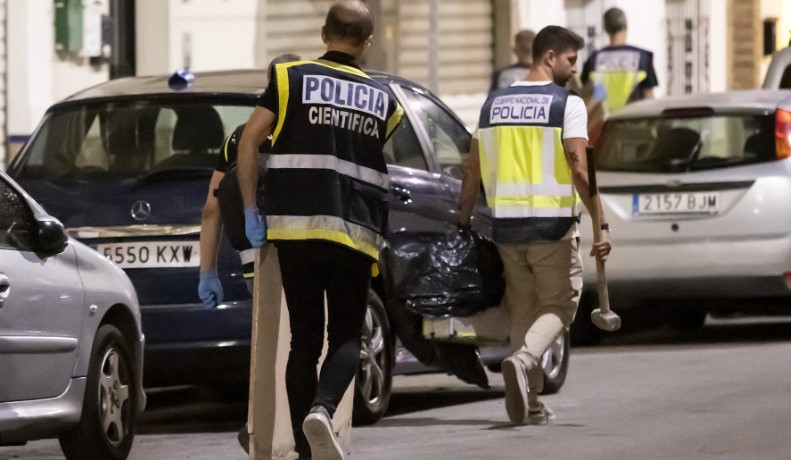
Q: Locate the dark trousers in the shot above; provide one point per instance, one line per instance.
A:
(309, 269)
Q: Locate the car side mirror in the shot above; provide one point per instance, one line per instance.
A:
(51, 238)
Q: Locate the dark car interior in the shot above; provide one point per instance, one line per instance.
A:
(197, 137)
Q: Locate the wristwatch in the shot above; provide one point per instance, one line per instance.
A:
(605, 226)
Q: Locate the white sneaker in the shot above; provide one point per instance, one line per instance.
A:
(515, 378)
(540, 415)
(317, 427)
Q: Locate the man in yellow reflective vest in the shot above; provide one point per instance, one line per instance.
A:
(529, 151)
(325, 207)
(617, 74)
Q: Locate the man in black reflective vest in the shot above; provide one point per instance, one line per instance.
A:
(325, 206)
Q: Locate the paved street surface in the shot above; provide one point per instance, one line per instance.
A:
(721, 392)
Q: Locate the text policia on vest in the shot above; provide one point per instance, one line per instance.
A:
(521, 108)
(343, 94)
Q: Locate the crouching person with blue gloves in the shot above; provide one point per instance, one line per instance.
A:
(325, 207)
(223, 211)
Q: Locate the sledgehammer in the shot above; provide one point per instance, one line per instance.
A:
(602, 317)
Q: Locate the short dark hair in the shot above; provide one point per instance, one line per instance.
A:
(349, 20)
(614, 21)
(555, 38)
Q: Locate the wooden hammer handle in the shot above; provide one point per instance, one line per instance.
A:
(601, 274)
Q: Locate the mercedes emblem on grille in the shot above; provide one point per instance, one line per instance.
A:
(141, 210)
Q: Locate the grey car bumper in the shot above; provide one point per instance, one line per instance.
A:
(41, 418)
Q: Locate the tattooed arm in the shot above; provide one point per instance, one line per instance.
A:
(575, 155)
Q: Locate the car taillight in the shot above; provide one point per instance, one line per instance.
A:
(787, 277)
(783, 134)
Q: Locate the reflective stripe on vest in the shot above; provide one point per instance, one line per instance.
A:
(525, 172)
(331, 162)
(329, 228)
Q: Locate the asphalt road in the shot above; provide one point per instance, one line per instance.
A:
(721, 392)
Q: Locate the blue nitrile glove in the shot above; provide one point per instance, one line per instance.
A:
(599, 92)
(254, 227)
(210, 289)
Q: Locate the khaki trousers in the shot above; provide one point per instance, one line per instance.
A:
(543, 284)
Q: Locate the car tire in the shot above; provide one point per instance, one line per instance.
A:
(583, 332)
(555, 362)
(106, 427)
(375, 374)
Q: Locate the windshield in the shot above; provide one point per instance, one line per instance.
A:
(125, 139)
(685, 143)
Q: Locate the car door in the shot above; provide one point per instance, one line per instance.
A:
(419, 199)
(447, 142)
(40, 307)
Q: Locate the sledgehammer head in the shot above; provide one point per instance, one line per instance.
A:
(606, 320)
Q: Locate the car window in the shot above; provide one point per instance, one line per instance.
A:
(449, 138)
(685, 144)
(129, 139)
(403, 147)
(16, 221)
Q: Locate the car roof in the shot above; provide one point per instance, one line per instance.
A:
(748, 101)
(244, 82)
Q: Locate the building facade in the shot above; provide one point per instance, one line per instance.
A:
(450, 46)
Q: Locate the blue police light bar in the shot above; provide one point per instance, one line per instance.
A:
(181, 79)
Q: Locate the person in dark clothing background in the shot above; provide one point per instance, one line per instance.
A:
(619, 73)
(325, 207)
(523, 49)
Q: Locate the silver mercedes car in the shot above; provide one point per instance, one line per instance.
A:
(71, 343)
(697, 191)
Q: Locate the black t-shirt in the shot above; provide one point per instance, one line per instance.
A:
(230, 150)
(645, 63)
(504, 77)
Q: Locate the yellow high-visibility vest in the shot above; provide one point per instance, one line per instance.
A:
(524, 170)
(619, 72)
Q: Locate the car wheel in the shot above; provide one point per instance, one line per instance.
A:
(583, 332)
(375, 374)
(555, 362)
(106, 427)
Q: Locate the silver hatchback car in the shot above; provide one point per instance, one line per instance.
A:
(697, 190)
(71, 346)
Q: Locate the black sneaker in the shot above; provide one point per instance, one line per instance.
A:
(317, 427)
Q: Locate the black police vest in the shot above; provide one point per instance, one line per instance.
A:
(326, 176)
